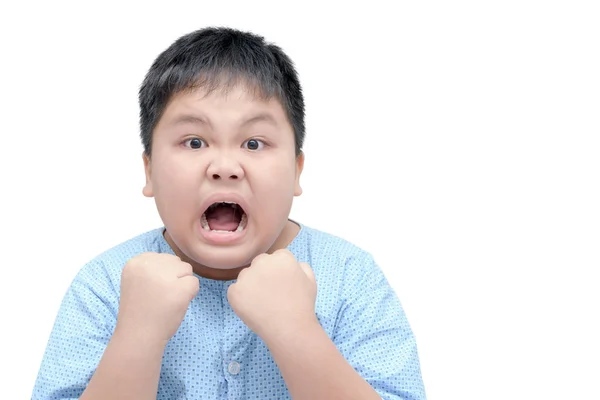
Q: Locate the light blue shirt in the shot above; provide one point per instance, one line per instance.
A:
(214, 355)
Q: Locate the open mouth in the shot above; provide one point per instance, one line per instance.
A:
(224, 217)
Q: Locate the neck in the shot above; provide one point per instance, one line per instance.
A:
(289, 233)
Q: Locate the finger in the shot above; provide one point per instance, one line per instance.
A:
(241, 273)
(308, 271)
(172, 262)
(182, 269)
(190, 284)
(231, 292)
(259, 257)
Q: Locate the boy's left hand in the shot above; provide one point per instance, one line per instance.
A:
(276, 294)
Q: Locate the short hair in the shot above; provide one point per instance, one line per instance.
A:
(219, 58)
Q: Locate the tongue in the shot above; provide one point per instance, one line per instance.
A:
(223, 218)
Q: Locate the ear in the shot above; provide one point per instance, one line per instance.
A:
(147, 190)
(299, 168)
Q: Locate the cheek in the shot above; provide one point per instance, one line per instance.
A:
(175, 201)
(174, 185)
(278, 185)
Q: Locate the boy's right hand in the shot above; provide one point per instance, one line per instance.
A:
(156, 290)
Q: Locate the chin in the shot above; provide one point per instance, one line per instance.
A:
(223, 258)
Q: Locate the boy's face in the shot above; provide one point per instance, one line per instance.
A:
(209, 150)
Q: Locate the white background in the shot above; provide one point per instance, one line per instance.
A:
(456, 141)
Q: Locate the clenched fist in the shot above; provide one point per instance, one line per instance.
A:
(276, 294)
(156, 290)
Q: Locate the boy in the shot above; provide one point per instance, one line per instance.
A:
(222, 301)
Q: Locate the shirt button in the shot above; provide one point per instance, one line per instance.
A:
(234, 368)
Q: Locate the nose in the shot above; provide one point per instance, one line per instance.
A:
(224, 167)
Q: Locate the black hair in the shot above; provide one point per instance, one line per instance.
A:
(219, 58)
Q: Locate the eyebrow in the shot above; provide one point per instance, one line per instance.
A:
(262, 117)
(188, 119)
(198, 120)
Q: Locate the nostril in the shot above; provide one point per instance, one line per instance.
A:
(217, 177)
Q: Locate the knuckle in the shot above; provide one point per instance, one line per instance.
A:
(186, 266)
(242, 273)
(231, 292)
(260, 257)
(284, 253)
(195, 284)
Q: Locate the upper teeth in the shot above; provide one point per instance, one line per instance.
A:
(230, 203)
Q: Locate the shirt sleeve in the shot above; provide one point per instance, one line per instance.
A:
(373, 333)
(81, 332)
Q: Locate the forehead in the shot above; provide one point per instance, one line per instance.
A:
(236, 103)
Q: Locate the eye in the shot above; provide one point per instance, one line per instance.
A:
(254, 144)
(194, 143)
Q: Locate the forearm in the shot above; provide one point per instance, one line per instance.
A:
(314, 369)
(129, 369)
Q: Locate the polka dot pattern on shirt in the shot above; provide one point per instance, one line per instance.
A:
(214, 355)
